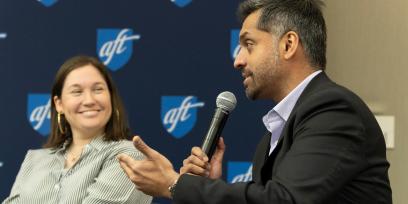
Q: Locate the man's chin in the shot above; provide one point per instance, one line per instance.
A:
(251, 95)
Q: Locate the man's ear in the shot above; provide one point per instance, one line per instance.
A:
(289, 44)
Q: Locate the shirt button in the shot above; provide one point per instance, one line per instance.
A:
(57, 187)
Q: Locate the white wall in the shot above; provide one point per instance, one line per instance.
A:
(368, 53)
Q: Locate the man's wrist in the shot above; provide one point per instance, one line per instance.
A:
(172, 186)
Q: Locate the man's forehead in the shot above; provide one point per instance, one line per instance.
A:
(250, 24)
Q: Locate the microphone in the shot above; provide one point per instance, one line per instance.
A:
(226, 102)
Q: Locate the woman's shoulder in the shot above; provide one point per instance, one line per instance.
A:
(35, 156)
(38, 153)
(124, 147)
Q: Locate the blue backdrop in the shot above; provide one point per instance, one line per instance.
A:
(169, 58)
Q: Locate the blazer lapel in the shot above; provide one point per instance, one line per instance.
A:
(285, 140)
(267, 168)
(261, 154)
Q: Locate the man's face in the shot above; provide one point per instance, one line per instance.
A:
(258, 60)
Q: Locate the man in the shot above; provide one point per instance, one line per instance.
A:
(323, 145)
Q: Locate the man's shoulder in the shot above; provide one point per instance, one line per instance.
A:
(322, 90)
(324, 95)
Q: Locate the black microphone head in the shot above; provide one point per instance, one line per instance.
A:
(226, 101)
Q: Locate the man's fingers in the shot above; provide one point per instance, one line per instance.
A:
(125, 159)
(193, 169)
(198, 152)
(128, 170)
(196, 161)
(219, 151)
(142, 147)
(221, 144)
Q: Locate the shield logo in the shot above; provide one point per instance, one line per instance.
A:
(179, 114)
(115, 46)
(39, 112)
(239, 172)
(3, 35)
(234, 41)
(48, 3)
(181, 3)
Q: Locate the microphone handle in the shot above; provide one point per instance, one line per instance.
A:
(214, 132)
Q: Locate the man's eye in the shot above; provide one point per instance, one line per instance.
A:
(248, 44)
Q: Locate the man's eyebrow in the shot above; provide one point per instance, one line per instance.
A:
(243, 35)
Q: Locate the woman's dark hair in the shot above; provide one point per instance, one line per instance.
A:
(117, 127)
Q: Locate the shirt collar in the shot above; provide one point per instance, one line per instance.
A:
(96, 143)
(285, 106)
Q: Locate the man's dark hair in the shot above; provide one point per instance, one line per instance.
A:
(301, 16)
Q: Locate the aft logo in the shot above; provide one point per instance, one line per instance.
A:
(48, 3)
(239, 172)
(39, 112)
(115, 46)
(181, 3)
(234, 43)
(3, 35)
(179, 114)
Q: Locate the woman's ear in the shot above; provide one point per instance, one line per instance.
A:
(57, 103)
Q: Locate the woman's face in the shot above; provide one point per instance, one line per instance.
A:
(85, 101)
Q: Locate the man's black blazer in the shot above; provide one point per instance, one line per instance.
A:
(331, 150)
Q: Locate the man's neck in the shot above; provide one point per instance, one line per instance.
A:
(295, 76)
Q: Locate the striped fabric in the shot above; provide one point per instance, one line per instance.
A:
(95, 178)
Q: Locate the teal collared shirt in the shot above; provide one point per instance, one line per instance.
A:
(95, 178)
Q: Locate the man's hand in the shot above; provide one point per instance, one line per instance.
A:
(152, 175)
(197, 163)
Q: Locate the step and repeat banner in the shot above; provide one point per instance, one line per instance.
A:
(169, 59)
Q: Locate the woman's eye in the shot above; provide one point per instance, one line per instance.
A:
(99, 89)
(76, 91)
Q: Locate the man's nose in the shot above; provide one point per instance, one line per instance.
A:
(240, 61)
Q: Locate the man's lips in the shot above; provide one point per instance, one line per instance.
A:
(246, 77)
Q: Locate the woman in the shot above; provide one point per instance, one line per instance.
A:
(88, 129)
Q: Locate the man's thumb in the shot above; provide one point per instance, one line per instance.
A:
(142, 147)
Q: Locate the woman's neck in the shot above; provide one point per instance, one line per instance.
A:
(80, 139)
